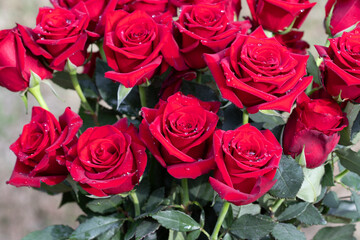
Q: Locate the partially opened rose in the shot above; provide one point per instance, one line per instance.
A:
(293, 42)
(110, 159)
(259, 73)
(341, 76)
(178, 132)
(42, 148)
(246, 160)
(276, 15)
(205, 28)
(16, 62)
(315, 125)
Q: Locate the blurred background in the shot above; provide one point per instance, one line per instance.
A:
(23, 210)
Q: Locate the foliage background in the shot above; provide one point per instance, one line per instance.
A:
(23, 210)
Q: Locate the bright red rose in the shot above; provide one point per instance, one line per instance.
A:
(276, 15)
(136, 46)
(110, 159)
(341, 75)
(246, 160)
(42, 148)
(205, 28)
(293, 42)
(59, 35)
(345, 14)
(16, 62)
(259, 73)
(179, 132)
(313, 124)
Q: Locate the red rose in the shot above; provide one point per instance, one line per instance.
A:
(246, 160)
(314, 124)
(179, 134)
(136, 45)
(59, 34)
(276, 15)
(205, 28)
(172, 83)
(259, 73)
(293, 42)
(345, 14)
(342, 69)
(149, 6)
(110, 159)
(16, 62)
(43, 147)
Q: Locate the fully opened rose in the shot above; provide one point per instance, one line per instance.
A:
(259, 73)
(178, 132)
(110, 159)
(246, 160)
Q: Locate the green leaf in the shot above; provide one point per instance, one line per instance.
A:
(55, 232)
(130, 233)
(193, 235)
(174, 235)
(356, 199)
(349, 159)
(251, 208)
(269, 118)
(227, 236)
(346, 209)
(146, 228)
(155, 199)
(313, 70)
(252, 226)
(122, 94)
(176, 220)
(311, 216)
(328, 178)
(62, 79)
(328, 20)
(336, 233)
(289, 178)
(300, 159)
(95, 226)
(352, 111)
(284, 231)
(200, 190)
(105, 205)
(200, 91)
(311, 187)
(331, 200)
(110, 234)
(143, 190)
(293, 211)
(352, 180)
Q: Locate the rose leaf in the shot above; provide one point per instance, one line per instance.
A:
(284, 231)
(332, 233)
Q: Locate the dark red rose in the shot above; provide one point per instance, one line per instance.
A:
(246, 161)
(59, 35)
(205, 28)
(179, 132)
(42, 148)
(276, 15)
(110, 159)
(16, 62)
(341, 75)
(259, 73)
(293, 42)
(314, 124)
(149, 6)
(172, 83)
(94, 8)
(136, 45)
(345, 14)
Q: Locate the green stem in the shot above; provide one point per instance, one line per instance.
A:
(185, 195)
(245, 117)
(84, 102)
(225, 208)
(277, 204)
(101, 51)
(142, 93)
(135, 200)
(341, 175)
(35, 91)
(198, 77)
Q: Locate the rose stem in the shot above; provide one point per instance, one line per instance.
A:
(245, 117)
(84, 102)
(276, 205)
(142, 93)
(135, 200)
(35, 91)
(101, 51)
(224, 209)
(341, 175)
(185, 193)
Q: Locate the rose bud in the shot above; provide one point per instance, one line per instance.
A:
(178, 133)
(42, 148)
(293, 42)
(59, 35)
(205, 28)
(246, 160)
(341, 59)
(344, 15)
(16, 62)
(314, 124)
(259, 73)
(276, 15)
(110, 159)
(136, 45)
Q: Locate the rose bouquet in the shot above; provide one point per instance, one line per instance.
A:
(193, 124)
